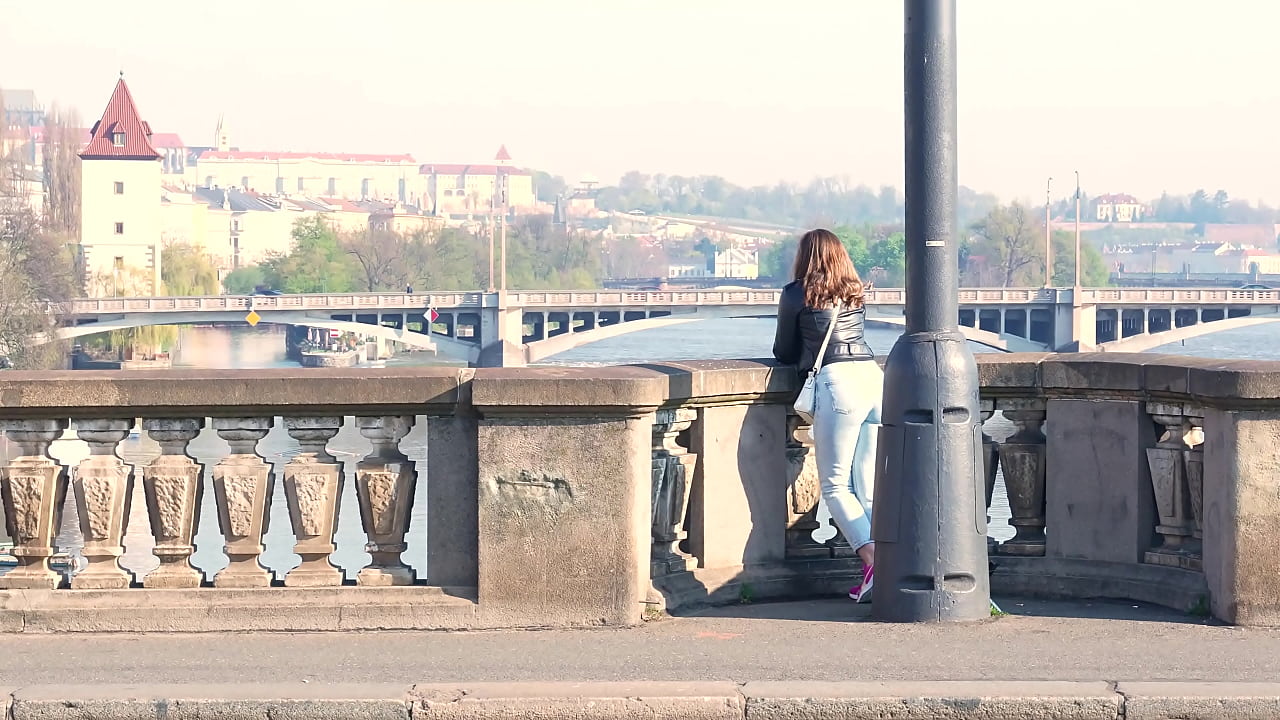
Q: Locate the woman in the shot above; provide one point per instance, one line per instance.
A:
(826, 289)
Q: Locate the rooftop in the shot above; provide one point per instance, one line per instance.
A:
(121, 134)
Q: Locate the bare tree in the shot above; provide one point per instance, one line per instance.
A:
(62, 139)
(36, 277)
(1009, 235)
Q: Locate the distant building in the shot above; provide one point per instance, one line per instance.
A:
(120, 187)
(21, 109)
(733, 263)
(454, 190)
(1118, 208)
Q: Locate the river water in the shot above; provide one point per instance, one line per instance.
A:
(263, 347)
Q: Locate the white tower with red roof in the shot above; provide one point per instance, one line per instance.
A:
(120, 192)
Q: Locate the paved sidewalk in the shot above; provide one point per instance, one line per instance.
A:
(820, 640)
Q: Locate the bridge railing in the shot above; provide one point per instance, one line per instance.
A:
(416, 498)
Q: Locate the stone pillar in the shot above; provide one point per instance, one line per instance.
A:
(501, 335)
(103, 487)
(174, 491)
(803, 493)
(673, 469)
(385, 483)
(566, 473)
(242, 485)
(452, 488)
(34, 487)
(1022, 457)
(742, 451)
(1098, 486)
(313, 490)
(1084, 324)
(1241, 514)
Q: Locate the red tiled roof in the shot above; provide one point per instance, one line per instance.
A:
(341, 157)
(503, 155)
(37, 134)
(1121, 198)
(167, 140)
(457, 169)
(121, 116)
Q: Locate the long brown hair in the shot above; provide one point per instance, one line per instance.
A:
(826, 273)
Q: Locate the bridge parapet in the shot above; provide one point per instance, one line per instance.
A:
(580, 496)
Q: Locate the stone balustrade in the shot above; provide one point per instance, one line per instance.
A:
(587, 496)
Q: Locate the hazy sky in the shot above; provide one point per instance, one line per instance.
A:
(1138, 95)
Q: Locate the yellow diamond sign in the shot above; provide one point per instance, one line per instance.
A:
(252, 318)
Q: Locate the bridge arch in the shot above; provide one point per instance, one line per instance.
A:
(1147, 341)
(540, 350)
(450, 347)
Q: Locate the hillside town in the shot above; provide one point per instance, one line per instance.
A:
(141, 190)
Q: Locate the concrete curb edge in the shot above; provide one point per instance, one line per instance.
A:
(783, 700)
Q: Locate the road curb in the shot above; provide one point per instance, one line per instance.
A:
(802, 700)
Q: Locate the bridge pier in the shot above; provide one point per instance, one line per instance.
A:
(501, 336)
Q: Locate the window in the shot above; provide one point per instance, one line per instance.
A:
(302, 184)
(119, 188)
(333, 186)
(119, 263)
(279, 185)
(235, 225)
(244, 182)
(117, 139)
(119, 230)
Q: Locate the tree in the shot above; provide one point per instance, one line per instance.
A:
(1093, 269)
(890, 257)
(383, 256)
(548, 187)
(36, 274)
(187, 270)
(243, 281)
(1008, 237)
(62, 140)
(316, 264)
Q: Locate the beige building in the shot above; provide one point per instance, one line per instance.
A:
(453, 190)
(1118, 208)
(393, 178)
(120, 236)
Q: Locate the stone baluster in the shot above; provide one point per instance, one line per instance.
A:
(174, 492)
(1022, 457)
(1168, 464)
(1194, 458)
(990, 462)
(103, 488)
(313, 489)
(385, 484)
(242, 485)
(34, 487)
(803, 493)
(673, 466)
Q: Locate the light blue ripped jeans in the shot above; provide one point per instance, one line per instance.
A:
(846, 426)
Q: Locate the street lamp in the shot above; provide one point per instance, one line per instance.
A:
(1077, 286)
(929, 518)
(1048, 235)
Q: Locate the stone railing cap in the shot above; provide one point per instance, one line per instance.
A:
(102, 393)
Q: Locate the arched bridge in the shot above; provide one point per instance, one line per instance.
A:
(514, 328)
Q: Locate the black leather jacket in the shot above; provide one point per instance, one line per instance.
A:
(801, 329)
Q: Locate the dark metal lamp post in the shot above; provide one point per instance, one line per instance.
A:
(929, 519)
